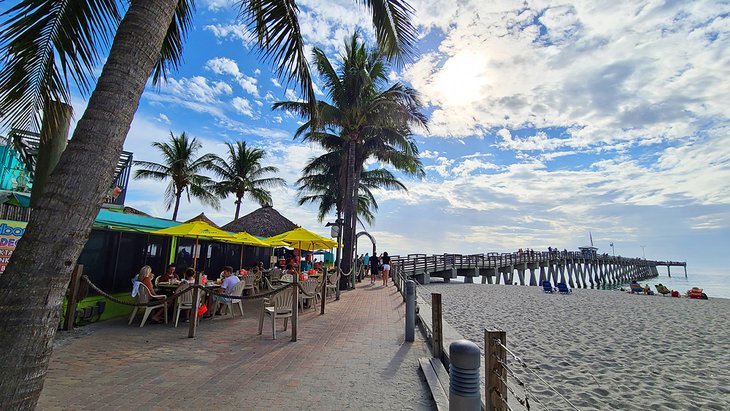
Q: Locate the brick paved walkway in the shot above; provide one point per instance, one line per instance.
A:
(351, 358)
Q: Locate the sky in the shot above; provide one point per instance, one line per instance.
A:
(547, 121)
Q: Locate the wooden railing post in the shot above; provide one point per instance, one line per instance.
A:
(495, 388)
(437, 336)
(68, 320)
(193, 327)
(295, 308)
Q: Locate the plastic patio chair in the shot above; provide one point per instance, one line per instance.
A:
(547, 287)
(333, 282)
(249, 282)
(229, 303)
(278, 306)
(144, 296)
(185, 302)
(310, 287)
(275, 276)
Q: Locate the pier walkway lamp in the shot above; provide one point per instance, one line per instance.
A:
(612, 250)
(643, 253)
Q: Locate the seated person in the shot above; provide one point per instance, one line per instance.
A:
(259, 267)
(189, 277)
(145, 278)
(170, 274)
(229, 281)
(636, 287)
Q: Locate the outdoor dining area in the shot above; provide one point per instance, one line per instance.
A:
(278, 293)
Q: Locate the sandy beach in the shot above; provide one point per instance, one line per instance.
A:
(604, 349)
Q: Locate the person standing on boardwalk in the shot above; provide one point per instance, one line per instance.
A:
(373, 268)
(386, 267)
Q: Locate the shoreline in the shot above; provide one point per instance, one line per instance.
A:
(604, 350)
(651, 281)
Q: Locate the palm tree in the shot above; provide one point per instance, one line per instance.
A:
(243, 173)
(365, 120)
(183, 170)
(320, 185)
(60, 225)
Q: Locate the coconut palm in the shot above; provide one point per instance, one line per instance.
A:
(365, 120)
(183, 170)
(243, 173)
(320, 185)
(60, 225)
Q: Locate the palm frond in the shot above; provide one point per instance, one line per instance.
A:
(172, 48)
(44, 45)
(279, 37)
(393, 28)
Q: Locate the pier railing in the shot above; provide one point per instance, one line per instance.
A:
(575, 268)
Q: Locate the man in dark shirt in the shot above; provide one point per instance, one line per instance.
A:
(170, 274)
(373, 268)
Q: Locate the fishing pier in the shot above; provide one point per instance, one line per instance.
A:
(579, 269)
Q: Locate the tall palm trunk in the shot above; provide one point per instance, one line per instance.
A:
(350, 198)
(238, 207)
(177, 206)
(35, 281)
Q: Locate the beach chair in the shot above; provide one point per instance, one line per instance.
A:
(661, 289)
(547, 287)
(636, 288)
(563, 288)
(695, 293)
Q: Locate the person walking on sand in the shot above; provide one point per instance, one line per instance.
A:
(386, 268)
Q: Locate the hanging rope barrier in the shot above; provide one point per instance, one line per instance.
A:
(176, 294)
(529, 369)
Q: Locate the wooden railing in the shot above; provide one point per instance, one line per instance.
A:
(414, 264)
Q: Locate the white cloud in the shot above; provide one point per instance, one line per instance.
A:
(242, 106)
(215, 5)
(232, 32)
(275, 82)
(627, 72)
(197, 89)
(223, 65)
(163, 119)
(291, 95)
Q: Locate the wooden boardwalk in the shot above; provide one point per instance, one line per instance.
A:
(576, 268)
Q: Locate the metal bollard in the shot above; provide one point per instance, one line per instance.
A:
(464, 392)
(410, 310)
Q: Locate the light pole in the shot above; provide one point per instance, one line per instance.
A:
(643, 253)
(612, 250)
(338, 234)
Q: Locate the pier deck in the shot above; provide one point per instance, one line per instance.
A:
(575, 268)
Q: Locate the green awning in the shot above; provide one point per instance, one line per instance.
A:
(131, 222)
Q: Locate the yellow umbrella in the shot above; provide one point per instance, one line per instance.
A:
(245, 238)
(197, 230)
(303, 238)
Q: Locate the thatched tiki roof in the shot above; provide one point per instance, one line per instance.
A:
(263, 222)
(204, 218)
